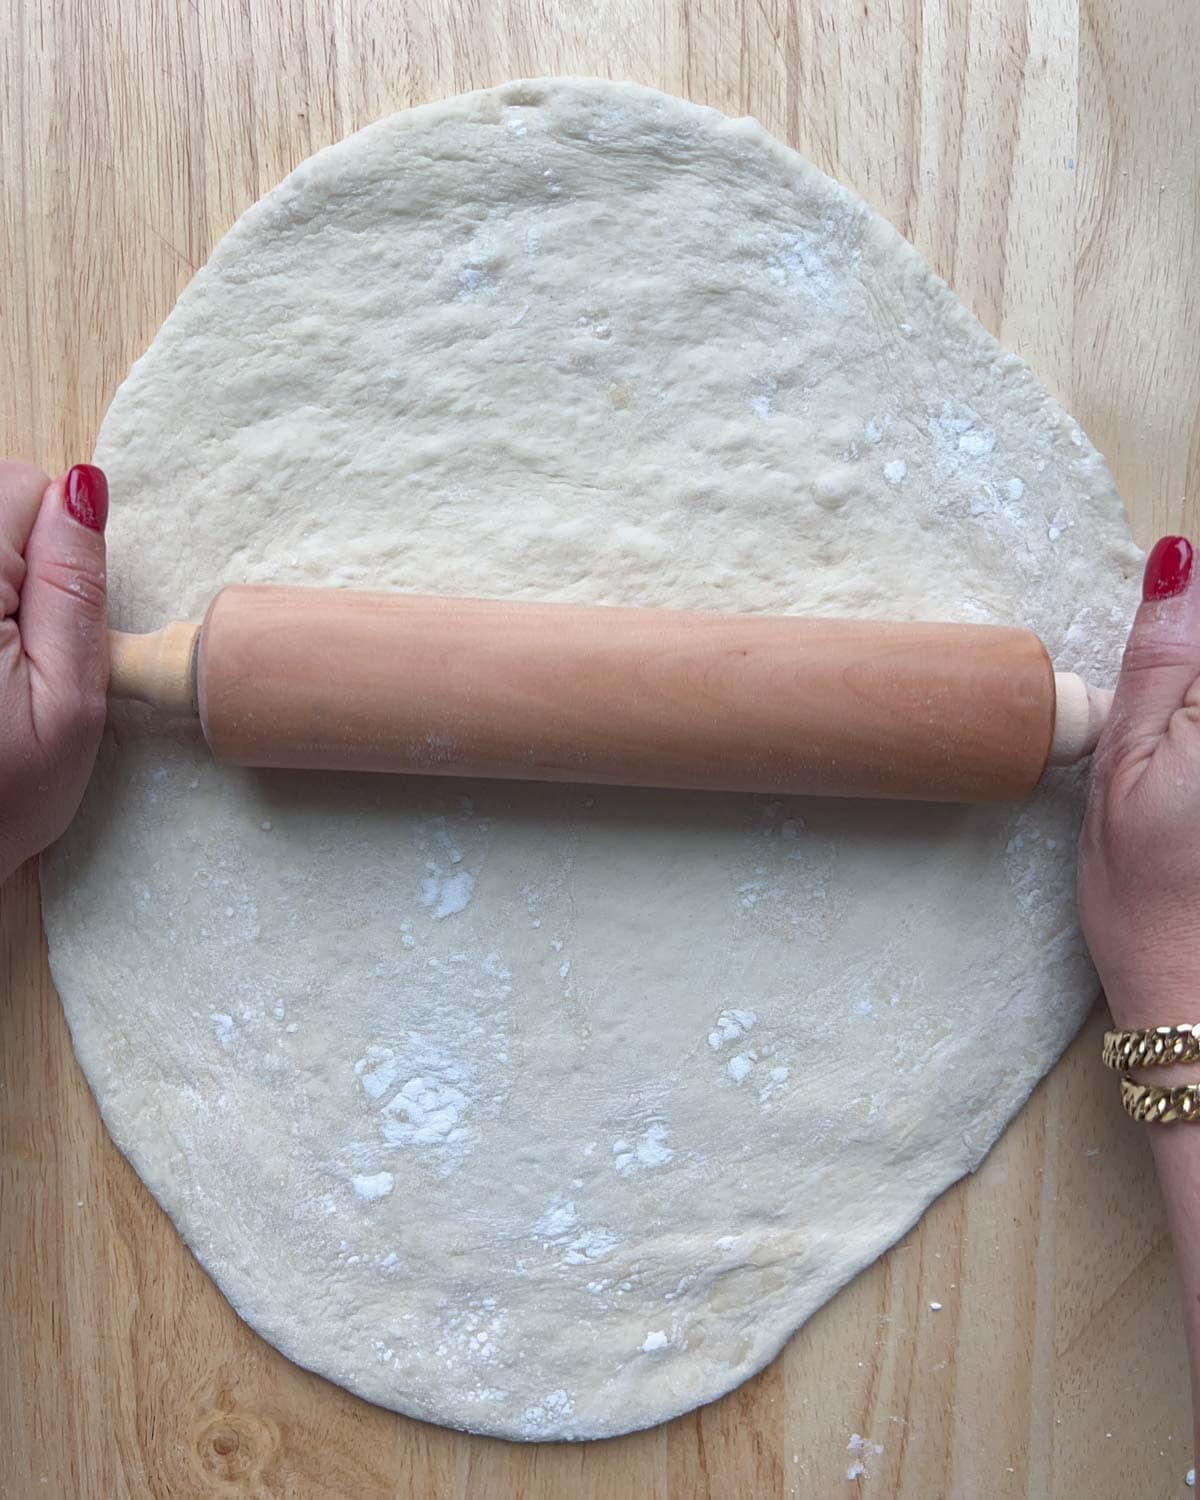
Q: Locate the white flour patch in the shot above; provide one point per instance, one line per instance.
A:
(824, 264)
(740, 1067)
(1061, 521)
(958, 431)
(655, 1340)
(962, 440)
(730, 1025)
(426, 1112)
(895, 471)
(447, 895)
(650, 1151)
(472, 1334)
(755, 1064)
(559, 1227)
(976, 444)
(377, 1071)
(551, 1414)
(373, 1185)
(593, 1245)
(420, 1091)
(557, 1221)
(472, 279)
(860, 1449)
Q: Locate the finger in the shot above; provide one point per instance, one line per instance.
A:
(21, 490)
(62, 613)
(1162, 657)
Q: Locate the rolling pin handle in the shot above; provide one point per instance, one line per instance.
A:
(1081, 712)
(158, 668)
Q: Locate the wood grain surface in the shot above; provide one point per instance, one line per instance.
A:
(1042, 154)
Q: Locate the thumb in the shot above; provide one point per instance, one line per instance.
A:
(62, 611)
(1162, 658)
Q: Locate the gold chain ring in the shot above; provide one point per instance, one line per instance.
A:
(1155, 1046)
(1161, 1106)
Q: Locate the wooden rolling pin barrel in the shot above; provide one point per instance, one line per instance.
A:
(336, 680)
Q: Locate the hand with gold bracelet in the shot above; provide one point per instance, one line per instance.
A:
(1139, 894)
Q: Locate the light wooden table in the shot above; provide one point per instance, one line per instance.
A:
(1042, 155)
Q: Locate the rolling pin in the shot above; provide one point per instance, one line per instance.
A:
(335, 680)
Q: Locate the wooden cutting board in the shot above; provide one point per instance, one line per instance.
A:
(1042, 155)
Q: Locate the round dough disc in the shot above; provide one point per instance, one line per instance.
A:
(552, 1111)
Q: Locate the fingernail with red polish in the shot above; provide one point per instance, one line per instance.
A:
(87, 496)
(1168, 568)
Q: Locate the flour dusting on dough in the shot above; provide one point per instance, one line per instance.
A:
(373, 1185)
(466, 1092)
(420, 1090)
(649, 1151)
(447, 895)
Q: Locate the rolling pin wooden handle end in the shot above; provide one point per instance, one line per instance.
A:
(1081, 712)
(157, 668)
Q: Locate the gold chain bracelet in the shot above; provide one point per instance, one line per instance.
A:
(1157, 1045)
(1160, 1106)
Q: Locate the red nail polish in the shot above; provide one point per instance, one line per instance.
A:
(87, 496)
(1168, 568)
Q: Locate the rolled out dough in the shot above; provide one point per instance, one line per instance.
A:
(551, 1112)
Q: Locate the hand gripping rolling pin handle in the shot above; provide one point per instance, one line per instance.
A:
(332, 679)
